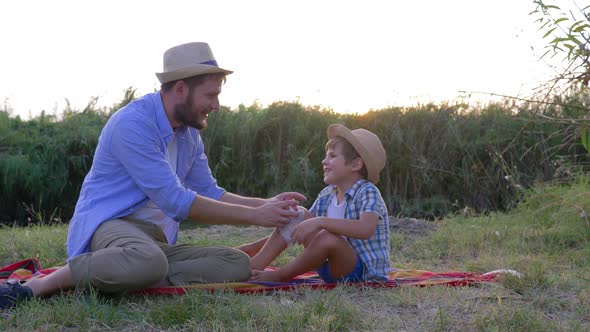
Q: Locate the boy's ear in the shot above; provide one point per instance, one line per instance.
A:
(357, 164)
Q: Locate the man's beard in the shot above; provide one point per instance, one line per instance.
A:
(182, 114)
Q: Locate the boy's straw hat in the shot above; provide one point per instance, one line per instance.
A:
(366, 144)
(189, 60)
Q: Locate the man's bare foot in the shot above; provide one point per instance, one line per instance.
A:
(265, 276)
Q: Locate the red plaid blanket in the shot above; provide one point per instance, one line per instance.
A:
(31, 268)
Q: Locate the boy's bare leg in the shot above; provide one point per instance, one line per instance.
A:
(271, 249)
(264, 251)
(325, 245)
(59, 280)
(251, 249)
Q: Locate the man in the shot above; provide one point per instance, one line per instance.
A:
(149, 173)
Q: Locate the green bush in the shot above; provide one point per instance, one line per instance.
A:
(441, 158)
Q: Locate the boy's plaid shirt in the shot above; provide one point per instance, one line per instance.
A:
(362, 197)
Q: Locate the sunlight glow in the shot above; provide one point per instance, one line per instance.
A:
(346, 55)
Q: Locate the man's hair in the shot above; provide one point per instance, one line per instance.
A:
(348, 152)
(192, 81)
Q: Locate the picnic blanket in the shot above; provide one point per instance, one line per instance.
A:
(31, 268)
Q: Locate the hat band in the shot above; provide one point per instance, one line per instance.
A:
(210, 62)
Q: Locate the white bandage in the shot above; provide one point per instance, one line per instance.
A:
(286, 230)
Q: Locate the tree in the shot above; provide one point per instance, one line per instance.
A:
(569, 35)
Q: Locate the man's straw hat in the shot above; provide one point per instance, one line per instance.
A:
(189, 60)
(366, 144)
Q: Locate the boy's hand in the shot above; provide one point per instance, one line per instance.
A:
(287, 196)
(275, 213)
(307, 229)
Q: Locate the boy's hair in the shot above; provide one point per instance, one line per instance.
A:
(348, 152)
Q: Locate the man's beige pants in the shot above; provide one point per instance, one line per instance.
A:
(127, 255)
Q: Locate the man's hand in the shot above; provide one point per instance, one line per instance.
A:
(274, 214)
(306, 213)
(288, 196)
(306, 230)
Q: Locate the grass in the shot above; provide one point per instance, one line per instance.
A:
(546, 238)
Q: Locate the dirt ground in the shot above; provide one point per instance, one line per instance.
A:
(411, 226)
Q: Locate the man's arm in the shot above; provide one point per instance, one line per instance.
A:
(358, 229)
(231, 198)
(210, 211)
(228, 197)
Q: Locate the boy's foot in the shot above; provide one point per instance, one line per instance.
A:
(287, 230)
(265, 276)
(13, 292)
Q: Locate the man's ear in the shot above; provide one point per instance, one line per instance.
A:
(357, 164)
(180, 89)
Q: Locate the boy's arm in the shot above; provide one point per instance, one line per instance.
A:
(358, 229)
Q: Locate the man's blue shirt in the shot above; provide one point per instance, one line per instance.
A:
(130, 167)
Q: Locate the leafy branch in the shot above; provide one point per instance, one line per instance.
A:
(569, 35)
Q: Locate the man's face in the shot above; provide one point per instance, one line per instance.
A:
(200, 101)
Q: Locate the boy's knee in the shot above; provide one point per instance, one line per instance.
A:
(325, 239)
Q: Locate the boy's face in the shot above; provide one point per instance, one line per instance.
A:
(336, 171)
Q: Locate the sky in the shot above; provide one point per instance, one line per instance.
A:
(351, 56)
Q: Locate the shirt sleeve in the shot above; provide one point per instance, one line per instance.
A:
(314, 208)
(138, 149)
(319, 206)
(200, 178)
(371, 201)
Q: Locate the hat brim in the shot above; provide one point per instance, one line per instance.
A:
(340, 130)
(190, 72)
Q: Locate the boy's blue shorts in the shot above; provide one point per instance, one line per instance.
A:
(355, 276)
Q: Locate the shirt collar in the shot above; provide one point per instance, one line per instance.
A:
(161, 118)
(350, 192)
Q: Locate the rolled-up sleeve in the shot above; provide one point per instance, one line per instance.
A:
(136, 145)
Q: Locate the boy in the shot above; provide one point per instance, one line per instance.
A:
(346, 233)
